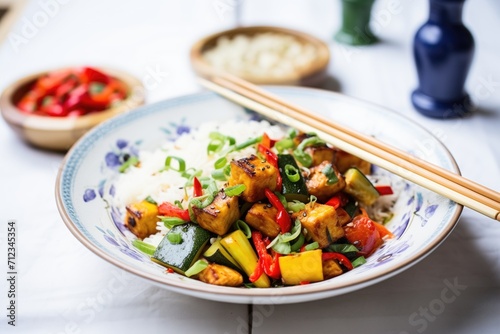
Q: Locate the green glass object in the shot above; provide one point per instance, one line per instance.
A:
(355, 28)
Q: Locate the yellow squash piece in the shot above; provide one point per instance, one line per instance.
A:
(141, 218)
(301, 267)
(238, 246)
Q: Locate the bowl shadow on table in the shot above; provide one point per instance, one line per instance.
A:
(330, 83)
(397, 301)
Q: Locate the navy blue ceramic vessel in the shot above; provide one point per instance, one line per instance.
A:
(443, 49)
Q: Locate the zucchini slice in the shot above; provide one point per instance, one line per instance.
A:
(180, 253)
(292, 189)
(217, 254)
(358, 186)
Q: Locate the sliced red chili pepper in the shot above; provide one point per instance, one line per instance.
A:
(384, 190)
(170, 210)
(338, 200)
(266, 141)
(270, 156)
(334, 201)
(270, 264)
(339, 257)
(89, 74)
(197, 188)
(282, 217)
(259, 270)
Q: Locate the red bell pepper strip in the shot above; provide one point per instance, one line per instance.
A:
(259, 270)
(272, 158)
(270, 264)
(266, 141)
(384, 190)
(89, 74)
(338, 200)
(339, 257)
(197, 188)
(282, 217)
(170, 210)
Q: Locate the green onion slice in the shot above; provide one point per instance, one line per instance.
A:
(221, 162)
(249, 142)
(181, 164)
(329, 172)
(196, 268)
(150, 199)
(292, 173)
(312, 246)
(295, 206)
(295, 246)
(358, 261)
(144, 247)
(241, 225)
(133, 160)
(293, 234)
(219, 175)
(170, 222)
(235, 190)
(174, 238)
(343, 248)
(283, 144)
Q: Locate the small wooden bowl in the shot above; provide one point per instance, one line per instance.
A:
(60, 133)
(313, 75)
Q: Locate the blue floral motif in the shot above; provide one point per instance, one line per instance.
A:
(174, 130)
(123, 246)
(89, 195)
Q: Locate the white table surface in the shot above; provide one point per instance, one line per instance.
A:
(64, 288)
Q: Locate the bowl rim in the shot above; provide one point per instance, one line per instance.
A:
(292, 294)
(14, 116)
(201, 67)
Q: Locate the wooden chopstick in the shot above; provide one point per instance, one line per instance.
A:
(437, 179)
(287, 107)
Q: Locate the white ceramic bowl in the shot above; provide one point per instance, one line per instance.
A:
(422, 219)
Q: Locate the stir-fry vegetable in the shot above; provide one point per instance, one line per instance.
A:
(286, 214)
(72, 92)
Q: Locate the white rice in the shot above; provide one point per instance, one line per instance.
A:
(168, 186)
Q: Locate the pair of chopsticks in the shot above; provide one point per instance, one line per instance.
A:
(407, 166)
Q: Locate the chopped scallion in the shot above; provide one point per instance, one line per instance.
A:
(295, 246)
(174, 238)
(358, 261)
(221, 162)
(312, 246)
(144, 247)
(241, 225)
(181, 164)
(283, 144)
(296, 206)
(235, 190)
(292, 173)
(170, 222)
(150, 199)
(249, 142)
(131, 161)
(329, 172)
(196, 268)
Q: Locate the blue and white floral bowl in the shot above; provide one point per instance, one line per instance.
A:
(422, 219)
